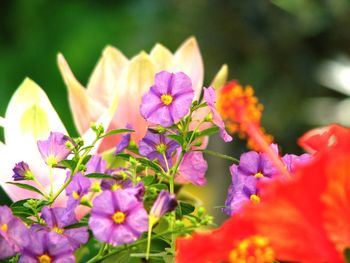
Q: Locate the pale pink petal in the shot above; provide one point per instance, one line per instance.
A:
(188, 59)
(162, 57)
(84, 108)
(103, 80)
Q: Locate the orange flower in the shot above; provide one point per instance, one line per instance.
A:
(303, 219)
(242, 112)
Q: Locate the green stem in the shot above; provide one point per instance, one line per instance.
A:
(149, 235)
(165, 233)
(224, 156)
(42, 188)
(51, 182)
(99, 254)
(76, 169)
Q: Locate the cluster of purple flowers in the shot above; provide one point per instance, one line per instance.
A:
(116, 202)
(254, 167)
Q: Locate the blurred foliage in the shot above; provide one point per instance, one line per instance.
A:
(274, 45)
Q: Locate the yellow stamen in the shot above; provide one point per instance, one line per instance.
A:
(166, 99)
(51, 160)
(58, 230)
(255, 199)
(75, 195)
(4, 227)
(44, 259)
(161, 148)
(258, 175)
(115, 186)
(118, 217)
(252, 249)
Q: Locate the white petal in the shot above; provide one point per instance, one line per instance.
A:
(220, 77)
(106, 74)
(84, 108)
(29, 117)
(162, 57)
(188, 59)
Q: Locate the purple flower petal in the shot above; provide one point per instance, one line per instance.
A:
(193, 168)
(210, 98)
(168, 100)
(54, 149)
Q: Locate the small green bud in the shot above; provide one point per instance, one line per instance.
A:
(82, 168)
(200, 211)
(209, 117)
(179, 224)
(70, 145)
(96, 187)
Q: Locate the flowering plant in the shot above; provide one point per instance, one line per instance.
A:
(115, 193)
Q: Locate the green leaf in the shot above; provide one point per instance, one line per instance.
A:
(160, 186)
(70, 164)
(121, 257)
(148, 180)
(99, 176)
(117, 131)
(22, 208)
(207, 132)
(184, 209)
(150, 164)
(145, 162)
(27, 187)
(176, 138)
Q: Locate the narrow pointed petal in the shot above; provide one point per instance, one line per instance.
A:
(29, 117)
(104, 78)
(188, 59)
(162, 57)
(84, 108)
(220, 77)
(134, 82)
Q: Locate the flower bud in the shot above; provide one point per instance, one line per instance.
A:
(165, 202)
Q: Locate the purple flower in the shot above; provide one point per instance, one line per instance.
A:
(156, 146)
(96, 165)
(76, 190)
(257, 164)
(54, 149)
(118, 217)
(22, 172)
(57, 219)
(168, 100)
(242, 189)
(13, 233)
(192, 169)
(47, 247)
(164, 203)
(118, 183)
(210, 98)
(124, 142)
(253, 166)
(291, 161)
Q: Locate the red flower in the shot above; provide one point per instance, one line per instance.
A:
(303, 219)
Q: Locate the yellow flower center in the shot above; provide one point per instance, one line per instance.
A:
(255, 199)
(115, 186)
(75, 195)
(252, 249)
(258, 175)
(118, 217)
(161, 148)
(4, 227)
(166, 99)
(44, 259)
(51, 160)
(58, 230)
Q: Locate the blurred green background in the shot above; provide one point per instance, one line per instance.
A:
(281, 47)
